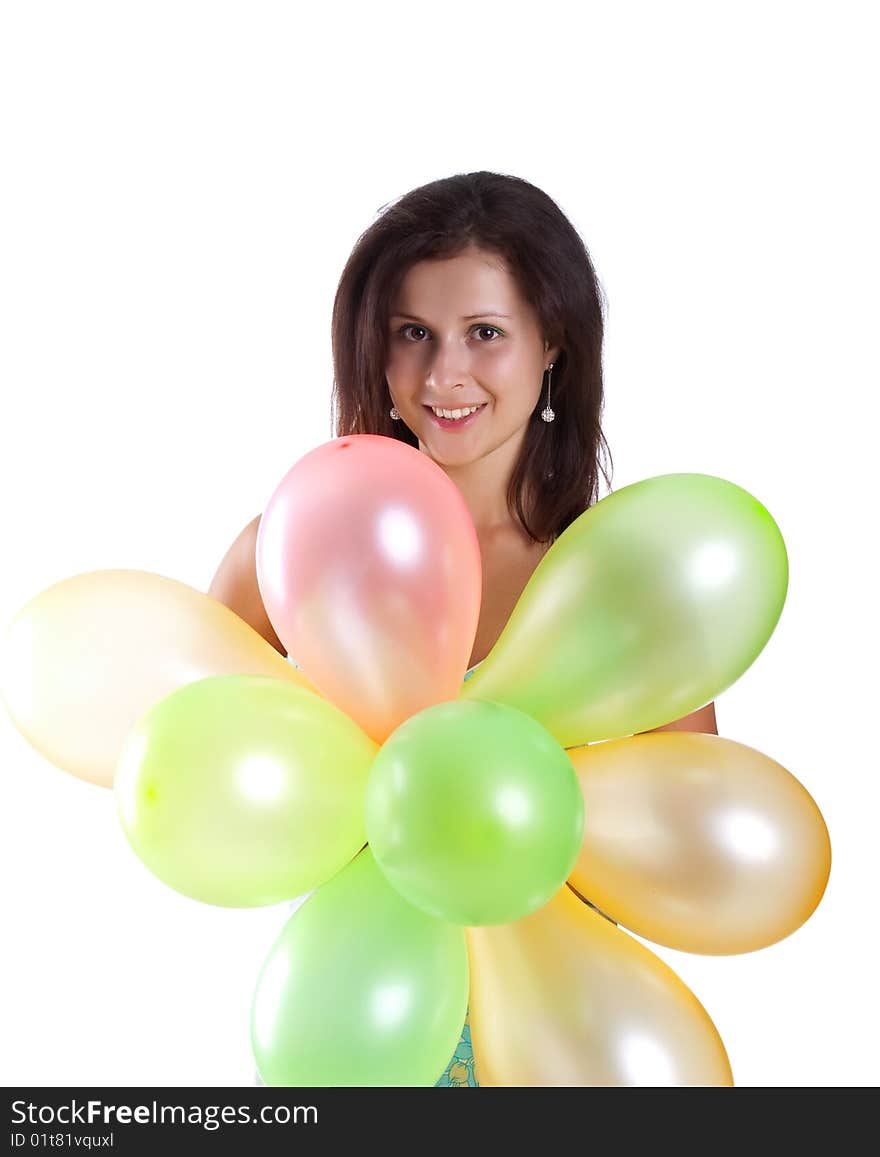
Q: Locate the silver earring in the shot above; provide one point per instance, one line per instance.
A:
(395, 413)
(547, 414)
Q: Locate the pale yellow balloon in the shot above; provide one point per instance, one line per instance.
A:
(563, 997)
(697, 842)
(85, 658)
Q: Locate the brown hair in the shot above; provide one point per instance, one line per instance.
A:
(556, 475)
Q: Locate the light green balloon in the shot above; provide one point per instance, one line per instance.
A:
(474, 812)
(647, 607)
(242, 790)
(360, 989)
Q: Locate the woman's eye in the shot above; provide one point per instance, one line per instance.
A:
(404, 330)
(491, 328)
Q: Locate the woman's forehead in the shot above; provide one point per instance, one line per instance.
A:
(471, 285)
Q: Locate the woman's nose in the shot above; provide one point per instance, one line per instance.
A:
(448, 366)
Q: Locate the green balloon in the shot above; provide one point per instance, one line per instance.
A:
(474, 812)
(648, 606)
(360, 989)
(243, 790)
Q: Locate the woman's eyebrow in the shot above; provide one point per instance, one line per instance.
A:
(468, 317)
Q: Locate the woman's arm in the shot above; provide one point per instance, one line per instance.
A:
(702, 720)
(235, 585)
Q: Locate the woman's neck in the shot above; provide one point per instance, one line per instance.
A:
(483, 485)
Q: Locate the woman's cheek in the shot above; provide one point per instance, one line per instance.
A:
(514, 388)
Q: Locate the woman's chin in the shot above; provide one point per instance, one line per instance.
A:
(451, 456)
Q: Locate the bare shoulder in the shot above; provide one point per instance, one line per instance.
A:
(701, 720)
(235, 584)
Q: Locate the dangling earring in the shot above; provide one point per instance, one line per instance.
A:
(547, 414)
(395, 413)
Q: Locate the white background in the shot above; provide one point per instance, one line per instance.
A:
(183, 183)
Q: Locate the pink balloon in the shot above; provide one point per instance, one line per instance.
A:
(369, 567)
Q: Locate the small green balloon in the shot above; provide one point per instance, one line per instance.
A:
(242, 790)
(360, 989)
(648, 606)
(474, 812)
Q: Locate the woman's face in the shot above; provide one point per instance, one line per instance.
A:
(460, 335)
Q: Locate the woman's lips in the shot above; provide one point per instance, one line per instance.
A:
(455, 423)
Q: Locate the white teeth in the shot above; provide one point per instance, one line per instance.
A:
(454, 413)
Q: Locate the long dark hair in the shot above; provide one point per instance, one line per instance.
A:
(556, 476)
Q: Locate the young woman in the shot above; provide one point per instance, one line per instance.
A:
(468, 322)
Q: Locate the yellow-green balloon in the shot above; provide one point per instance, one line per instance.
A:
(474, 812)
(649, 605)
(360, 989)
(244, 790)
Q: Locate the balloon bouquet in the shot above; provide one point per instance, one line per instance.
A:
(451, 831)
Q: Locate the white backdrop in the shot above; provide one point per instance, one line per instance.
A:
(183, 183)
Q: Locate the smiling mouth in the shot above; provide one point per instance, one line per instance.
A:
(460, 416)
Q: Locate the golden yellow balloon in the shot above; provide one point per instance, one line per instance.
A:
(563, 997)
(697, 842)
(85, 658)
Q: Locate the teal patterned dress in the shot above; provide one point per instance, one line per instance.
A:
(459, 1072)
